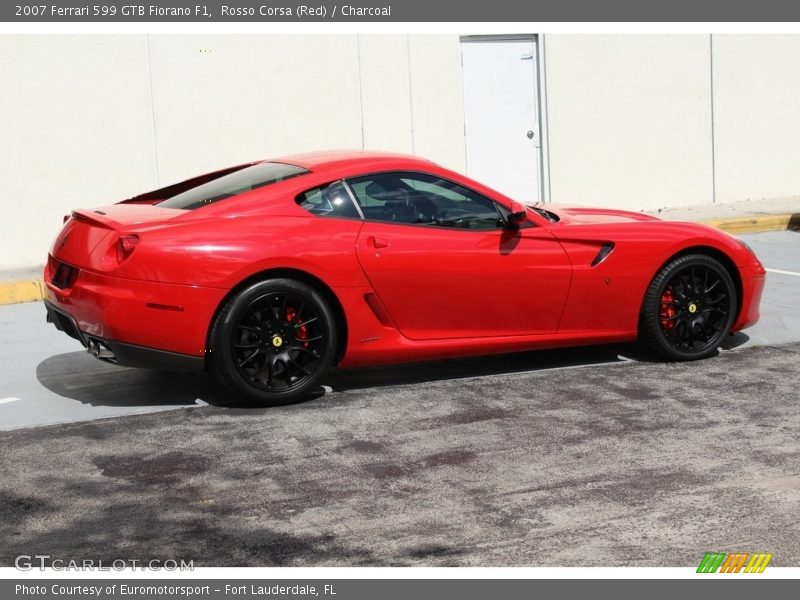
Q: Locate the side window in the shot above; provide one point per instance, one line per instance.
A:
(331, 200)
(422, 199)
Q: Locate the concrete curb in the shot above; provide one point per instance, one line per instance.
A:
(756, 223)
(15, 292)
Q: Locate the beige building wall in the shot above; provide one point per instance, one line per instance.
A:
(87, 120)
(629, 119)
(757, 116)
(75, 131)
(90, 120)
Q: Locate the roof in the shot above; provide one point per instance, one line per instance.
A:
(343, 158)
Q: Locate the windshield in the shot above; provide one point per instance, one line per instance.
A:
(233, 184)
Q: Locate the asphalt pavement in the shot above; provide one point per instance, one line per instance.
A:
(621, 464)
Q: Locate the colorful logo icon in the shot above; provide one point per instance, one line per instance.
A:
(735, 562)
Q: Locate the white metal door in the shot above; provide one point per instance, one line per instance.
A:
(501, 117)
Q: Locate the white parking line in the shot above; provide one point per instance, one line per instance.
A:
(7, 400)
(783, 272)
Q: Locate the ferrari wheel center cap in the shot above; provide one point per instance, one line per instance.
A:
(693, 308)
(277, 341)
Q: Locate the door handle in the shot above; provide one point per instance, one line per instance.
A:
(377, 242)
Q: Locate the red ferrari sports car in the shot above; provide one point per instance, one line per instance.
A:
(268, 273)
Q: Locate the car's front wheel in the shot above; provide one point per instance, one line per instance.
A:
(689, 308)
(273, 341)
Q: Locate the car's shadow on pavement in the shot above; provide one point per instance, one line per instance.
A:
(735, 340)
(78, 376)
(479, 366)
(81, 377)
(500, 364)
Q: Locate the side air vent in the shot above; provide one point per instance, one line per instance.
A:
(603, 254)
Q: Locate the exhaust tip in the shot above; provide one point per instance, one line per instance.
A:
(100, 350)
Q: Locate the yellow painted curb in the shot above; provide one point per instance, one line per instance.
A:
(14, 292)
(753, 224)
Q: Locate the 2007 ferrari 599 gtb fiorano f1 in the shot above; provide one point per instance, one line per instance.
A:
(268, 273)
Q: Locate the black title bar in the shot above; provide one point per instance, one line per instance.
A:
(399, 11)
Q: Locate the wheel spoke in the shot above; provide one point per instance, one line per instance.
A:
(249, 358)
(287, 375)
(297, 314)
(282, 311)
(297, 366)
(310, 351)
(249, 346)
(310, 339)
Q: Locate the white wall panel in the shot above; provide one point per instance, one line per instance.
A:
(223, 99)
(756, 114)
(629, 119)
(75, 131)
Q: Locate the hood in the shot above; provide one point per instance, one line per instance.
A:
(577, 215)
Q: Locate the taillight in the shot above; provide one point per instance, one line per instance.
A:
(126, 245)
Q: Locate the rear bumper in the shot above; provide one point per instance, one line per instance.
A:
(142, 323)
(120, 353)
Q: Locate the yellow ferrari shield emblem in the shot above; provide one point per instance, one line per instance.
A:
(277, 341)
(693, 308)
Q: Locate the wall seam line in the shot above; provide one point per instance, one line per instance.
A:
(152, 109)
(360, 90)
(713, 137)
(410, 93)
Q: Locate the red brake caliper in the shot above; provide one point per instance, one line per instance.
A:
(668, 310)
(302, 330)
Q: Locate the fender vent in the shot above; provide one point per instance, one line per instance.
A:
(603, 254)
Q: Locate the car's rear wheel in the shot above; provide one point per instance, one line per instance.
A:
(273, 341)
(689, 308)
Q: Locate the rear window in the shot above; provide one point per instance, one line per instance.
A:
(233, 184)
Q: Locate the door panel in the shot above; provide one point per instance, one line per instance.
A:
(501, 122)
(439, 282)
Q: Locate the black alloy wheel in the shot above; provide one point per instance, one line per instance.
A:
(272, 343)
(689, 308)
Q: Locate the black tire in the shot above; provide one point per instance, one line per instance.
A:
(688, 309)
(273, 341)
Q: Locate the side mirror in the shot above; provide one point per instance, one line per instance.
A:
(517, 216)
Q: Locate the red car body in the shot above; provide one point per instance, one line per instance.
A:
(401, 292)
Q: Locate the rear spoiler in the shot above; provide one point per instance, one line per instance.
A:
(96, 218)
